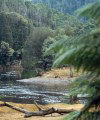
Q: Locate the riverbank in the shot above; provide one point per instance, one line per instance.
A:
(43, 89)
(10, 114)
(49, 81)
(57, 76)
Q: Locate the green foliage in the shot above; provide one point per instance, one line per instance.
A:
(90, 116)
(72, 115)
(14, 29)
(83, 52)
(13, 6)
(39, 14)
(79, 51)
(85, 85)
(91, 11)
(6, 54)
(28, 73)
(58, 44)
(33, 48)
(49, 41)
(20, 21)
(86, 116)
(66, 6)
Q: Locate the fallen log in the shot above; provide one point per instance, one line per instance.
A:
(47, 112)
(40, 112)
(16, 108)
(39, 108)
(2, 104)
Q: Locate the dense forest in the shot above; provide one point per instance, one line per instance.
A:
(26, 29)
(29, 29)
(40, 34)
(66, 6)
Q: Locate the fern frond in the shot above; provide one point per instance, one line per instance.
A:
(91, 11)
(56, 46)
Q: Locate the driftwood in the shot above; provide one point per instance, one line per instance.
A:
(39, 108)
(40, 112)
(16, 108)
(49, 111)
(2, 104)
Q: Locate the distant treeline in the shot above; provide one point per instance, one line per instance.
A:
(65, 6)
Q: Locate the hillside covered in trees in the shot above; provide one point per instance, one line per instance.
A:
(24, 26)
(66, 6)
(37, 35)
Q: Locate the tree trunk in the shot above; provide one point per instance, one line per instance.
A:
(16, 108)
(71, 71)
(49, 111)
(40, 112)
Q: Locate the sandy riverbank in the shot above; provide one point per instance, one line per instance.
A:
(10, 114)
(53, 77)
(47, 81)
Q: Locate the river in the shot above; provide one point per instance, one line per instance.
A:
(42, 90)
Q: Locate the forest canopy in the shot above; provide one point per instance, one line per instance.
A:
(21, 21)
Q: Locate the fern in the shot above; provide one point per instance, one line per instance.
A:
(83, 52)
(91, 11)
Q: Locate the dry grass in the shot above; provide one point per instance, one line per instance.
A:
(61, 72)
(10, 114)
